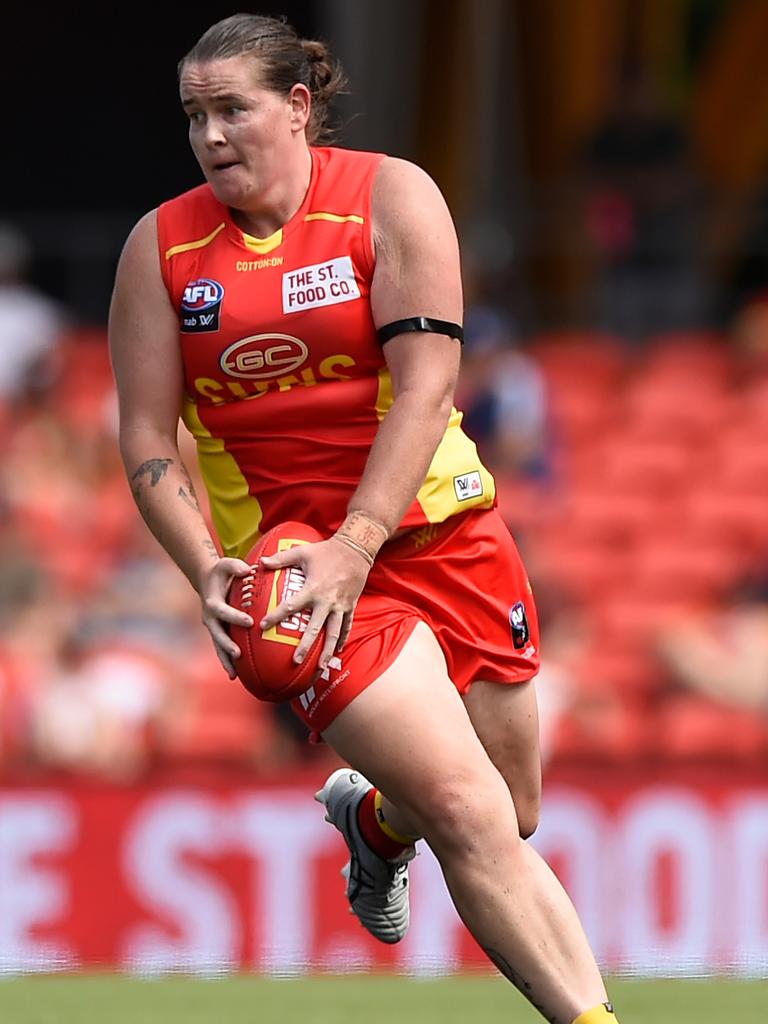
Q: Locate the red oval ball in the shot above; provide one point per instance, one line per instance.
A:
(265, 666)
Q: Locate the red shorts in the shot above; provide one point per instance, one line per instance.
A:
(465, 579)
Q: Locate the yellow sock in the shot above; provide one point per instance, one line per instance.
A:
(385, 827)
(602, 1014)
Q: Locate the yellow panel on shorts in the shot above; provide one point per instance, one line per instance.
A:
(235, 512)
(456, 457)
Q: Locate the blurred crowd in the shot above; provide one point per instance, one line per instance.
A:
(634, 477)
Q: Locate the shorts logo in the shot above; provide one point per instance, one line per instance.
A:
(201, 306)
(468, 485)
(518, 623)
(308, 697)
(263, 356)
(321, 284)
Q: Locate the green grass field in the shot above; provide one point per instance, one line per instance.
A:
(110, 999)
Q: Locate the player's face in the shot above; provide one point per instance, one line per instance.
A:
(243, 135)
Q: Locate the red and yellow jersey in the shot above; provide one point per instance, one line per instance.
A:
(285, 379)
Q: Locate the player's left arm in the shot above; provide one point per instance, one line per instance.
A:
(417, 274)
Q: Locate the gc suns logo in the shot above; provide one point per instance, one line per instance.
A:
(201, 305)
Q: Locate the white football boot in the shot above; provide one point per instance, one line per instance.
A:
(377, 889)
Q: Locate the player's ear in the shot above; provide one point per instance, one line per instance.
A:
(300, 105)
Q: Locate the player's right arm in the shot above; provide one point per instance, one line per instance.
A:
(146, 361)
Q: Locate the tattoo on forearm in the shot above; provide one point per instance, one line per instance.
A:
(188, 481)
(189, 498)
(155, 469)
(211, 547)
(519, 982)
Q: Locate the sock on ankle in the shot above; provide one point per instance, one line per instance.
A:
(381, 838)
(602, 1014)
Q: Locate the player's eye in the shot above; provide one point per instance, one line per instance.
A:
(195, 116)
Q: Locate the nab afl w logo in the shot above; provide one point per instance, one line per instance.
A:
(201, 305)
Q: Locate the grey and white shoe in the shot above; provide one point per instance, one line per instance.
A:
(377, 889)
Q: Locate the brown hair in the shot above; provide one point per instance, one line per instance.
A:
(285, 59)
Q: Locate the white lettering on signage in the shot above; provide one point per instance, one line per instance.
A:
(747, 865)
(572, 835)
(676, 826)
(33, 894)
(666, 880)
(284, 836)
(321, 284)
(204, 932)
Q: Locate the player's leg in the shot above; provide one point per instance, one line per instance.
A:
(410, 734)
(506, 720)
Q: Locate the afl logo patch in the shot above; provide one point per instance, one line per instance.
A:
(201, 306)
(518, 623)
(264, 356)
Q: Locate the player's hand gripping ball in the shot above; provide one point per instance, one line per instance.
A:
(265, 666)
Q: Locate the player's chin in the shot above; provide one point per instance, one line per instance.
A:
(229, 188)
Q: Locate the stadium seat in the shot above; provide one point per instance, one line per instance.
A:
(742, 518)
(684, 569)
(693, 727)
(581, 568)
(605, 726)
(582, 414)
(589, 357)
(601, 512)
(737, 462)
(622, 664)
(638, 464)
(677, 407)
(691, 355)
(85, 386)
(220, 723)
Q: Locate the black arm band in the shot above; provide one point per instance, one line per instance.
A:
(420, 323)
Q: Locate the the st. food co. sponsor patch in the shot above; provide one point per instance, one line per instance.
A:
(320, 284)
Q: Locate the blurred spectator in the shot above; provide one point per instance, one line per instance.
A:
(722, 654)
(563, 639)
(96, 715)
(503, 397)
(643, 202)
(101, 709)
(31, 622)
(30, 322)
(749, 331)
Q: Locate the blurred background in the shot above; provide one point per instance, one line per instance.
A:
(606, 164)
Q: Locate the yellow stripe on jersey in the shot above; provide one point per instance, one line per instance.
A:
(235, 512)
(263, 245)
(337, 218)
(456, 457)
(199, 244)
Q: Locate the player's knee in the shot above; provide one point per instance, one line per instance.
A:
(456, 812)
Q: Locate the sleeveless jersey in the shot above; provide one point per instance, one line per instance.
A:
(285, 379)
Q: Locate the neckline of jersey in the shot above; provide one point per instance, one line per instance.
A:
(238, 236)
